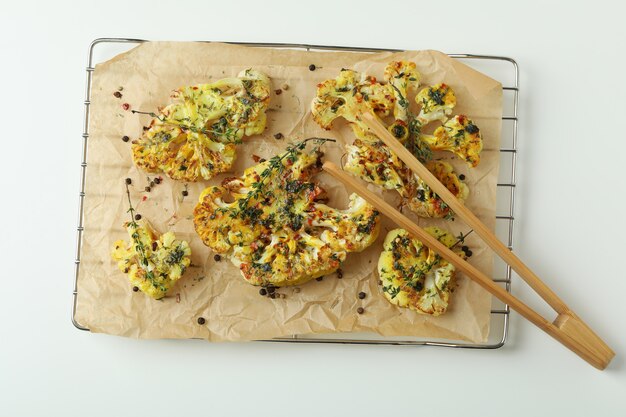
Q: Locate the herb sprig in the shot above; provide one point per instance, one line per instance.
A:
(275, 166)
(229, 133)
(139, 246)
(413, 143)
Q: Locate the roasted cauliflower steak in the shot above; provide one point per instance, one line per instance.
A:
(272, 225)
(153, 263)
(371, 160)
(194, 138)
(415, 277)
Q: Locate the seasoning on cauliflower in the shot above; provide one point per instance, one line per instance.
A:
(415, 277)
(195, 137)
(275, 229)
(436, 103)
(153, 263)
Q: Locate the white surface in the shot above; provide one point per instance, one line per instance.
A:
(568, 196)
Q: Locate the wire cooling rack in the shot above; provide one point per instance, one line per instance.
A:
(500, 68)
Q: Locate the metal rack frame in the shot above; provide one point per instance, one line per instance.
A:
(504, 152)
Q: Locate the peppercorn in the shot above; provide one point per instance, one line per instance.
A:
(469, 253)
(152, 183)
(125, 138)
(154, 246)
(420, 195)
(148, 189)
(217, 258)
(319, 278)
(339, 273)
(185, 193)
(128, 181)
(312, 67)
(278, 92)
(271, 290)
(263, 291)
(272, 295)
(117, 94)
(362, 295)
(135, 289)
(201, 320)
(464, 248)
(360, 310)
(462, 177)
(380, 282)
(278, 136)
(157, 180)
(137, 216)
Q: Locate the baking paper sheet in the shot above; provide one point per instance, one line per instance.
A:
(232, 308)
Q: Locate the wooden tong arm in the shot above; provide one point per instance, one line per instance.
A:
(567, 328)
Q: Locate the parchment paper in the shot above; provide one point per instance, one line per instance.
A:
(233, 309)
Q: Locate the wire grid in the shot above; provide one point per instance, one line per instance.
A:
(508, 154)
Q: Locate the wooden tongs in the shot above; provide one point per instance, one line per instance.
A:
(567, 328)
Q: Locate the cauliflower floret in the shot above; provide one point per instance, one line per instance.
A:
(194, 138)
(415, 277)
(436, 103)
(376, 165)
(275, 229)
(153, 263)
(348, 95)
(458, 135)
(402, 77)
(382, 167)
(424, 202)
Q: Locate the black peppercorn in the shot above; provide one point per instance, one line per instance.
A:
(468, 253)
(201, 320)
(185, 193)
(271, 290)
(137, 216)
(135, 289)
(462, 177)
(128, 181)
(278, 92)
(362, 295)
(217, 258)
(464, 248)
(360, 310)
(125, 138)
(263, 291)
(117, 94)
(278, 136)
(339, 273)
(272, 295)
(312, 67)
(148, 189)
(157, 180)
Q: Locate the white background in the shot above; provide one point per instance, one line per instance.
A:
(570, 220)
